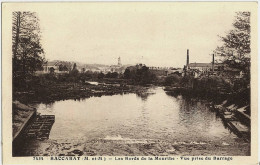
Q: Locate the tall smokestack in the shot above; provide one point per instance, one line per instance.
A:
(187, 58)
(213, 62)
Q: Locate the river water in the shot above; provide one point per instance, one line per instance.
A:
(152, 123)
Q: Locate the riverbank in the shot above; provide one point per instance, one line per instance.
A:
(130, 147)
(22, 117)
(22, 114)
(141, 128)
(235, 119)
(239, 98)
(231, 107)
(51, 92)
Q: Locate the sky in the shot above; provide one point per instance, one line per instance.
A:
(156, 34)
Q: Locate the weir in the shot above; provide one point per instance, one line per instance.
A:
(38, 127)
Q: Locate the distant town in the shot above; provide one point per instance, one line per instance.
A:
(194, 69)
(60, 67)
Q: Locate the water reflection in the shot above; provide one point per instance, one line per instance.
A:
(144, 95)
(151, 123)
(156, 115)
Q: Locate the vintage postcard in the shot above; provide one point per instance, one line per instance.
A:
(129, 83)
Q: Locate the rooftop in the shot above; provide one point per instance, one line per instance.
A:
(200, 65)
(203, 64)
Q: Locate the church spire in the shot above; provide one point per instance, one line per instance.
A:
(119, 61)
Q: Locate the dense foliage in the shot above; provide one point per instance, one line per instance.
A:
(26, 47)
(236, 50)
(140, 76)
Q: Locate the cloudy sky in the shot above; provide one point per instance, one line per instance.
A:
(157, 34)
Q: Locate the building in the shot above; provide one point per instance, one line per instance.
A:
(202, 67)
(56, 67)
(178, 71)
(119, 62)
(197, 69)
(117, 68)
(49, 66)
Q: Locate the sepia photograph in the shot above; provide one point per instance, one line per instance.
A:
(131, 79)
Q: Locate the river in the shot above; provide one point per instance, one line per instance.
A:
(153, 123)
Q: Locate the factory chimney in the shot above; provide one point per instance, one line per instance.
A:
(213, 62)
(187, 58)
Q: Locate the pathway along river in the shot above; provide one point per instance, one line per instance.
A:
(153, 123)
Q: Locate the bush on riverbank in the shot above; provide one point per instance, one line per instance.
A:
(53, 86)
(172, 80)
(140, 75)
(214, 88)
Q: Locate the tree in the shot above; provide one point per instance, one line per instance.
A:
(26, 46)
(52, 70)
(127, 74)
(108, 75)
(143, 75)
(140, 75)
(114, 75)
(74, 72)
(60, 67)
(74, 66)
(172, 79)
(235, 50)
(101, 75)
